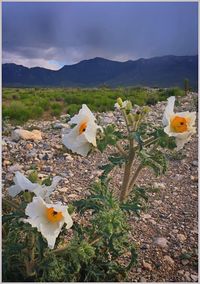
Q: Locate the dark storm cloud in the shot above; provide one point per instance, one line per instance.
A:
(53, 34)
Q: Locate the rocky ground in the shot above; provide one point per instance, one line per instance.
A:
(167, 234)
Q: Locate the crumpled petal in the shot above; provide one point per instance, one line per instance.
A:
(21, 184)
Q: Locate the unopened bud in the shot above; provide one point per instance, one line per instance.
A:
(137, 116)
(128, 106)
(146, 109)
(27, 196)
(120, 102)
(130, 118)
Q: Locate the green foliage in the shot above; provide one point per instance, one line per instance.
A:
(23, 104)
(164, 140)
(115, 160)
(155, 160)
(33, 176)
(47, 181)
(56, 109)
(110, 137)
(91, 255)
(137, 200)
(166, 93)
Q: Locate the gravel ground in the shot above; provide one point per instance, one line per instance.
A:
(167, 234)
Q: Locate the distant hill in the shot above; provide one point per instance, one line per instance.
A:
(165, 71)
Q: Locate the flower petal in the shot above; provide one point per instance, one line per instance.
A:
(84, 113)
(35, 208)
(14, 190)
(75, 142)
(90, 133)
(23, 182)
(169, 110)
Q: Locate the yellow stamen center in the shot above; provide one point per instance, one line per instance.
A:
(53, 216)
(179, 124)
(82, 127)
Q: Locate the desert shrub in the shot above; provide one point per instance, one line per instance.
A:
(17, 111)
(164, 94)
(72, 109)
(56, 109)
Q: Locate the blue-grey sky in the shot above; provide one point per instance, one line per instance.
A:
(54, 34)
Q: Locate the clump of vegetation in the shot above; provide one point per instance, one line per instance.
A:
(20, 105)
(37, 244)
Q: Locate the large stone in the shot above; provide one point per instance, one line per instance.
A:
(18, 134)
(147, 265)
(169, 260)
(59, 125)
(161, 242)
(181, 237)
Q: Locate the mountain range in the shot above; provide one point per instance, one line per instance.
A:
(164, 71)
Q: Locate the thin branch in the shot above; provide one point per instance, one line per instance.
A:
(134, 178)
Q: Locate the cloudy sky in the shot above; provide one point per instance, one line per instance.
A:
(55, 34)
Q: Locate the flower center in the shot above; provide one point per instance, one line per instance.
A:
(82, 127)
(53, 216)
(179, 124)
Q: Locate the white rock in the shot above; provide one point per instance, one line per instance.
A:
(18, 134)
(159, 185)
(181, 237)
(162, 242)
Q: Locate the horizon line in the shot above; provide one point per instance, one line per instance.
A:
(98, 57)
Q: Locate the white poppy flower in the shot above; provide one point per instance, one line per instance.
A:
(81, 138)
(179, 125)
(22, 184)
(47, 218)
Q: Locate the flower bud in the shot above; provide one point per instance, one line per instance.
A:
(130, 118)
(146, 109)
(120, 102)
(128, 106)
(137, 116)
(27, 196)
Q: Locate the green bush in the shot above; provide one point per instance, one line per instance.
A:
(56, 109)
(17, 111)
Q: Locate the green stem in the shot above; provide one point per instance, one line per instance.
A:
(137, 172)
(30, 259)
(126, 177)
(126, 120)
(134, 178)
